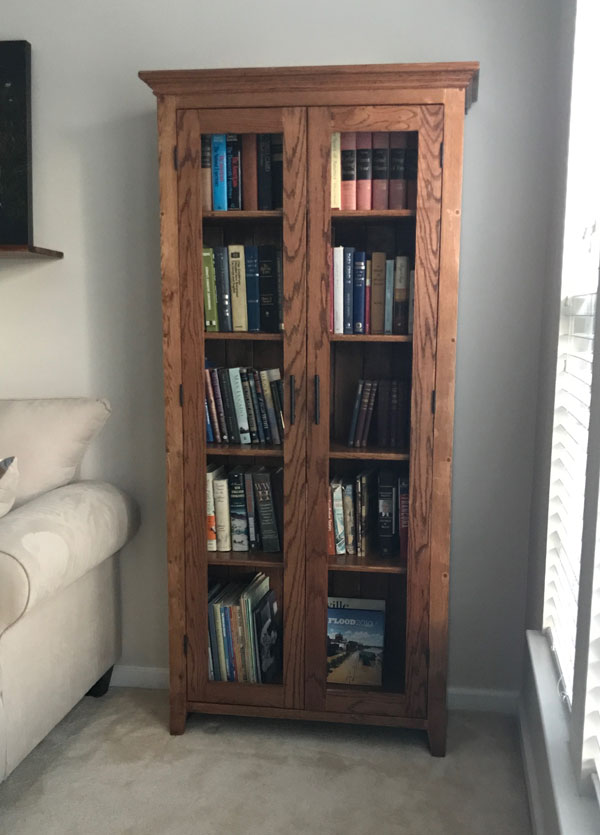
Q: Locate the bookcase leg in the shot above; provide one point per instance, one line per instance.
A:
(437, 737)
(177, 718)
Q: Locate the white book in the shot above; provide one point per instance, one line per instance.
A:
(411, 301)
(356, 603)
(221, 494)
(336, 171)
(337, 507)
(239, 403)
(338, 289)
(213, 470)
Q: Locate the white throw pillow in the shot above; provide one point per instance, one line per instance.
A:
(9, 478)
(49, 438)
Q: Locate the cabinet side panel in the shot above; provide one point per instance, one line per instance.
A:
(167, 140)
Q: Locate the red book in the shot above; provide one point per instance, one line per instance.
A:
(397, 197)
(364, 170)
(331, 289)
(381, 169)
(348, 151)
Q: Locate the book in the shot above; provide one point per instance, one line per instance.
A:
(277, 491)
(268, 288)
(356, 603)
(381, 170)
(211, 322)
(216, 390)
(239, 405)
(278, 406)
(397, 194)
(219, 172)
(338, 289)
(330, 535)
(348, 508)
(403, 517)
(251, 414)
(233, 431)
(216, 636)
(412, 166)
(266, 512)
(206, 172)
(355, 642)
(249, 599)
(387, 513)
(394, 433)
(253, 540)
(411, 301)
(362, 412)
(212, 471)
(348, 182)
(249, 172)
(209, 431)
(212, 406)
(383, 413)
(277, 170)
(366, 493)
(223, 293)
(369, 415)
(213, 590)
(337, 509)
(378, 286)
(252, 288)
(364, 170)
(368, 295)
(348, 289)
(401, 282)
(237, 510)
(265, 174)
(269, 641)
(265, 381)
(389, 296)
(336, 171)
(358, 516)
(237, 282)
(331, 298)
(262, 405)
(234, 183)
(279, 262)
(221, 498)
(355, 412)
(256, 407)
(358, 300)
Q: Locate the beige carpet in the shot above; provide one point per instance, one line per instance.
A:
(111, 767)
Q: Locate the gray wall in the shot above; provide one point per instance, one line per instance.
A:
(91, 323)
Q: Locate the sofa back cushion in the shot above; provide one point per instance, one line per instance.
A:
(49, 439)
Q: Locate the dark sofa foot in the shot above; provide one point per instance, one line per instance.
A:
(100, 688)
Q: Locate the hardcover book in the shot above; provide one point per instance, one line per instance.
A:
(265, 174)
(221, 497)
(237, 282)
(266, 512)
(364, 170)
(277, 170)
(397, 196)
(378, 288)
(249, 172)
(348, 289)
(219, 172)
(349, 524)
(358, 300)
(211, 322)
(401, 289)
(388, 312)
(239, 405)
(269, 639)
(338, 289)
(252, 288)
(387, 513)
(221, 259)
(337, 506)
(381, 170)
(234, 184)
(355, 642)
(237, 510)
(348, 185)
(268, 268)
(336, 171)
(206, 172)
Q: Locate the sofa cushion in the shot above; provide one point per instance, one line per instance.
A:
(53, 540)
(9, 478)
(49, 438)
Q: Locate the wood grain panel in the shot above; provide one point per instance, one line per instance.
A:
(169, 236)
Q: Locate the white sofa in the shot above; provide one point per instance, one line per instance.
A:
(59, 601)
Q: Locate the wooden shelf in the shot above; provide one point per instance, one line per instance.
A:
(25, 251)
(243, 215)
(372, 214)
(249, 450)
(372, 453)
(370, 337)
(372, 563)
(252, 559)
(226, 336)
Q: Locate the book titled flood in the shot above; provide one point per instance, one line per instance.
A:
(355, 639)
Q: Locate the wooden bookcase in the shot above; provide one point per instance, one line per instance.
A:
(320, 371)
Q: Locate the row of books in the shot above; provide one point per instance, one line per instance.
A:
(390, 400)
(244, 631)
(244, 406)
(243, 288)
(242, 171)
(355, 641)
(373, 171)
(370, 293)
(244, 508)
(368, 512)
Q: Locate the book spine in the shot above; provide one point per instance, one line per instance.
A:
(362, 413)
(349, 526)
(336, 171)
(401, 282)
(403, 414)
(220, 640)
(266, 512)
(389, 296)
(330, 535)
(397, 196)
(348, 289)
(237, 511)
(270, 406)
(411, 301)
(364, 170)
(211, 522)
(209, 430)
(378, 275)
(212, 406)
(386, 513)
(210, 292)
(233, 431)
(219, 172)
(227, 643)
(239, 404)
(338, 289)
(252, 288)
(277, 493)
(223, 292)
(355, 411)
(337, 505)
(277, 170)
(381, 170)
(358, 298)
(394, 414)
(252, 425)
(221, 495)
(262, 405)
(268, 284)
(383, 414)
(216, 389)
(357, 516)
(368, 279)
(279, 265)
(206, 172)
(278, 407)
(255, 406)
(412, 168)
(365, 516)
(249, 173)
(250, 511)
(218, 675)
(348, 185)
(369, 417)
(265, 174)
(234, 184)
(403, 517)
(237, 282)
(331, 292)
(238, 643)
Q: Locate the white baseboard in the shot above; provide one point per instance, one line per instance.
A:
(459, 698)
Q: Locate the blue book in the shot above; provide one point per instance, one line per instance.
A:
(358, 303)
(252, 287)
(348, 289)
(219, 172)
(389, 296)
(209, 430)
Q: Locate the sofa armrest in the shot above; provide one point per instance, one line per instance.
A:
(51, 541)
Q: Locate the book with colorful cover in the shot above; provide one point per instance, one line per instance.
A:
(355, 643)
(219, 172)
